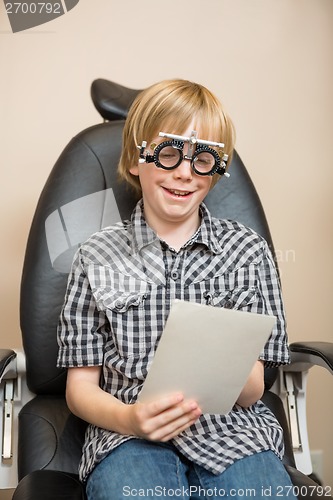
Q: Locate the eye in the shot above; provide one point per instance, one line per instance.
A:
(168, 155)
(204, 161)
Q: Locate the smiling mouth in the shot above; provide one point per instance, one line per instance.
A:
(175, 192)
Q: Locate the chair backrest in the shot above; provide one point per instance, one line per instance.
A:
(87, 166)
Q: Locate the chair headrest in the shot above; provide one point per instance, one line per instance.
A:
(111, 99)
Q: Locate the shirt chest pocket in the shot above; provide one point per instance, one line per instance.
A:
(238, 298)
(126, 315)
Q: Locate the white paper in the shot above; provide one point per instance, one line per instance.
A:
(206, 353)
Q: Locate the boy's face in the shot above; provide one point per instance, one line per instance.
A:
(171, 196)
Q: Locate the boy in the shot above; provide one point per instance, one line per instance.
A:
(177, 141)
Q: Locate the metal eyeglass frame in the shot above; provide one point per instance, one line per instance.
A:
(195, 147)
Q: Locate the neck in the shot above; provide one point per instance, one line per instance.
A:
(175, 234)
(176, 237)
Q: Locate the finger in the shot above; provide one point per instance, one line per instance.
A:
(164, 403)
(181, 412)
(175, 426)
(179, 429)
(155, 426)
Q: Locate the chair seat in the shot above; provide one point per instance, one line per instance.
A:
(50, 437)
(49, 485)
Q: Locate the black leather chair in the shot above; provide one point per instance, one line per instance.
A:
(50, 437)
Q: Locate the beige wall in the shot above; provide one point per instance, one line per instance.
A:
(270, 61)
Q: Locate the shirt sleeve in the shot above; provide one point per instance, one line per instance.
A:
(276, 351)
(82, 328)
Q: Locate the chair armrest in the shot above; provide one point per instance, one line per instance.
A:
(7, 364)
(304, 355)
(8, 374)
(293, 382)
(14, 394)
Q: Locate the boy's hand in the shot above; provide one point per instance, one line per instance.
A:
(162, 419)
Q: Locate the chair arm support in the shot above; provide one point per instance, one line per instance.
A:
(7, 364)
(8, 374)
(293, 381)
(13, 394)
(304, 355)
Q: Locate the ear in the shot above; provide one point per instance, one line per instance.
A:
(134, 170)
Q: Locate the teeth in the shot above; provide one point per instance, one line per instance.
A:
(179, 193)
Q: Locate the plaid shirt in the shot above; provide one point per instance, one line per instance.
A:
(122, 283)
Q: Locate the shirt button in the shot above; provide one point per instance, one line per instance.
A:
(174, 275)
(119, 304)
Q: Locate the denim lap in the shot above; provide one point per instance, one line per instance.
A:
(261, 475)
(146, 469)
(137, 466)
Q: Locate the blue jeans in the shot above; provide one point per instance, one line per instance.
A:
(142, 469)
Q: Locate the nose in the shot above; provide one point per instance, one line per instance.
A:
(184, 170)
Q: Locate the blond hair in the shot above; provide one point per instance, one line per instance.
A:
(170, 106)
